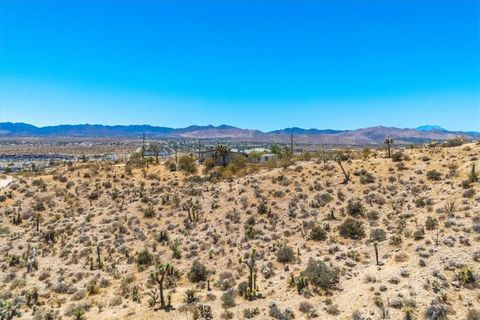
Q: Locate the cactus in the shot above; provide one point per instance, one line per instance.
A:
(389, 142)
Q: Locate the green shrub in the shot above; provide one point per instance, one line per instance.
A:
(434, 175)
(198, 272)
(352, 229)
(285, 254)
(378, 235)
(318, 234)
(187, 164)
(355, 208)
(320, 275)
(144, 258)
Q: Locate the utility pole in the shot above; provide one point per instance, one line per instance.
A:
(143, 146)
(199, 151)
(291, 143)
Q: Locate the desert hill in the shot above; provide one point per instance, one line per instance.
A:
(83, 240)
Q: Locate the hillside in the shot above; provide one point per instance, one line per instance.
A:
(81, 240)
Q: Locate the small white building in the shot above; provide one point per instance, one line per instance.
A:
(268, 157)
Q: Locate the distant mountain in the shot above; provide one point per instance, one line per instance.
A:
(364, 136)
(430, 128)
(300, 131)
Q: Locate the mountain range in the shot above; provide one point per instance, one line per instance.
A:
(364, 136)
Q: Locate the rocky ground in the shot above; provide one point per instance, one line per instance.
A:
(95, 240)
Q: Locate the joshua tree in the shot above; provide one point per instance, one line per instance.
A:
(155, 149)
(223, 151)
(338, 159)
(252, 278)
(162, 271)
(389, 142)
(99, 258)
(192, 209)
(473, 176)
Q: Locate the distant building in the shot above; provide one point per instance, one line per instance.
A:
(258, 155)
(217, 157)
(268, 157)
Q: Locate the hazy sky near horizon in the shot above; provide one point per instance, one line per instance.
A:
(253, 64)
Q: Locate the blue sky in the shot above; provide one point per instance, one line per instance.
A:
(253, 64)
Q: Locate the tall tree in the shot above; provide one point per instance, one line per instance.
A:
(223, 151)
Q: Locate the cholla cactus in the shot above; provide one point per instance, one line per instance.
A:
(203, 312)
(32, 263)
(301, 283)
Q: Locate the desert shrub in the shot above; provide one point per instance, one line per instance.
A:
(228, 298)
(366, 177)
(473, 314)
(352, 229)
(320, 275)
(275, 312)
(305, 307)
(148, 212)
(144, 258)
(209, 164)
(466, 277)
(318, 234)
(79, 295)
(431, 223)
(171, 165)
(378, 235)
(285, 254)
(397, 156)
(323, 199)
(226, 281)
(237, 164)
(189, 296)
(434, 175)
(186, 163)
(437, 311)
(198, 272)
(373, 215)
(469, 193)
(355, 208)
(453, 142)
(250, 313)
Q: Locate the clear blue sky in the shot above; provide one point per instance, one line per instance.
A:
(263, 64)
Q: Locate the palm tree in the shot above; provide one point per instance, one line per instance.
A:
(223, 150)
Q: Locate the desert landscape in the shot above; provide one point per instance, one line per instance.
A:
(338, 234)
(253, 159)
